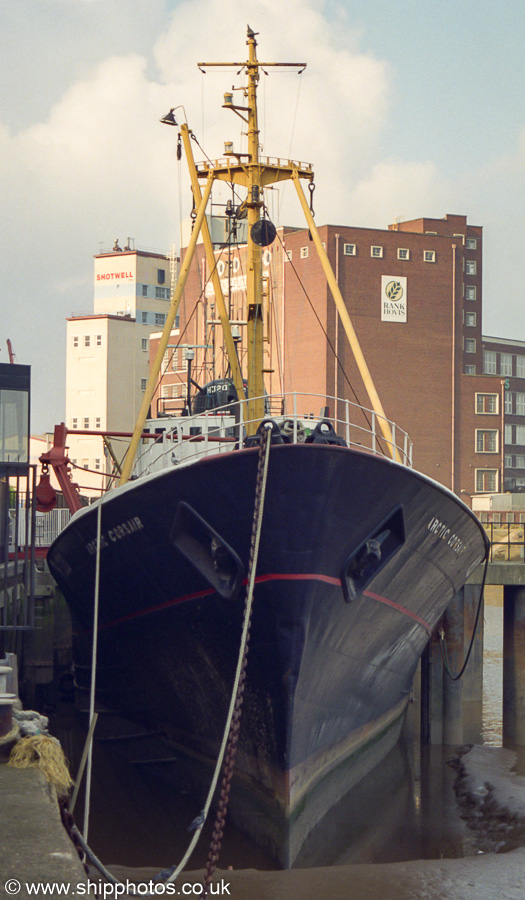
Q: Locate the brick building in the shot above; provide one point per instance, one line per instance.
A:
(414, 294)
(506, 359)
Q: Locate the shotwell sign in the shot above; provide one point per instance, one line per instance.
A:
(393, 298)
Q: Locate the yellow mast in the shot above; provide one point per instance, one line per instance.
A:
(216, 281)
(254, 270)
(163, 343)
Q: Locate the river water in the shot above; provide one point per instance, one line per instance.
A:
(405, 810)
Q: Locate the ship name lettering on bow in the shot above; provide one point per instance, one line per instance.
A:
(130, 526)
(441, 530)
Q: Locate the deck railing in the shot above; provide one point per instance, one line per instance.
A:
(298, 414)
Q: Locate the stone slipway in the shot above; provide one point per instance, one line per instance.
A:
(34, 847)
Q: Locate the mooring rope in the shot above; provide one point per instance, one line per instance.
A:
(233, 720)
(93, 671)
(442, 640)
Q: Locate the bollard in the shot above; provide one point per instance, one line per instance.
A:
(6, 709)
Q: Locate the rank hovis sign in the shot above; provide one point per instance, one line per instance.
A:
(393, 298)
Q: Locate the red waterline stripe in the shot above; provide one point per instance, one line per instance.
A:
(261, 579)
(400, 608)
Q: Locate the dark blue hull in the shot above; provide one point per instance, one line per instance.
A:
(335, 641)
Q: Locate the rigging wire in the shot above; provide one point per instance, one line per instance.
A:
(330, 344)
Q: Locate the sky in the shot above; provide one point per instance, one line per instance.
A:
(406, 109)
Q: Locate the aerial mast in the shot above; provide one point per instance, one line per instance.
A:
(255, 327)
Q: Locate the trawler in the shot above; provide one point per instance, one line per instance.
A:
(352, 563)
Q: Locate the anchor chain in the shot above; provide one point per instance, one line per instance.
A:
(233, 737)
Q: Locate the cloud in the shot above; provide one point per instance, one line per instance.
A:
(397, 189)
(93, 162)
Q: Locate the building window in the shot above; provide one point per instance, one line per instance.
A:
(165, 391)
(489, 362)
(86, 422)
(505, 364)
(508, 434)
(487, 404)
(520, 366)
(75, 341)
(87, 340)
(470, 319)
(85, 463)
(144, 318)
(350, 249)
(288, 256)
(508, 402)
(403, 253)
(470, 345)
(486, 480)
(143, 383)
(469, 370)
(144, 343)
(74, 423)
(520, 403)
(486, 441)
(471, 244)
(144, 290)
(471, 267)
(376, 252)
(304, 252)
(508, 462)
(520, 462)
(97, 422)
(99, 340)
(429, 255)
(160, 318)
(470, 291)
(161, 276)
(520, 435)
(96, 463)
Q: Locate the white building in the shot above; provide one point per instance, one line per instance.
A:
(107, 357)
